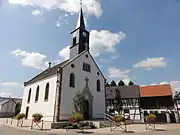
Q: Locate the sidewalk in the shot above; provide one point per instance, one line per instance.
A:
(135, 128)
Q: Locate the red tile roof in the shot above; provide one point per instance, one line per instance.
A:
(156, 90)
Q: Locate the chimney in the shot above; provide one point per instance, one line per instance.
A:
(49, 64)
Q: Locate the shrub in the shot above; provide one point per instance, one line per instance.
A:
(92, 126)
(77, 117)
(151, 118)
(37, 116)
(119, 118)
(20, 116)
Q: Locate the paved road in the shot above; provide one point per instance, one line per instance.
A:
(11, 131)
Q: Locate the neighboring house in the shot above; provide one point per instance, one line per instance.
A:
(158, 99)
(7, 106)
(52, 91)
(177, 103)
(124, 99)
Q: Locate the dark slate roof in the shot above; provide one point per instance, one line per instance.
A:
(131, 91)
(3, 101)
(46, 73)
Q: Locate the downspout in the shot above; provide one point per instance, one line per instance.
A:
(105, 96)
(57, 96)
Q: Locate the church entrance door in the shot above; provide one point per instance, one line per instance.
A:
(86, 111)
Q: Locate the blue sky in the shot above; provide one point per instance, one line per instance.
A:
(130, 40)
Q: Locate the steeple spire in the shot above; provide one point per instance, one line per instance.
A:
(80, 23)
(80, 36)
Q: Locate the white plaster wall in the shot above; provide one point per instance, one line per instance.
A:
(46, 108)
(74, 51)
(137, 114)
(69, 93)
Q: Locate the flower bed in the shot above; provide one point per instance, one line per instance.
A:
(119, 118)
(37, 117)
(20, 116)
(151, 118)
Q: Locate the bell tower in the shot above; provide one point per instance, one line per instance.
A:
(80, 37)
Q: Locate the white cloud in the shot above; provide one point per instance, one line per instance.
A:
(31, 59)
(104, 41)
(61, 21)
(36, 12)
(58, 23)
(9, 84)
(4, 94)
(64, 53)
(119, 73)
(150, 63)
(164, 82)
(126, 81)
(153, 84)
(91, 7)
(37, 60)
(100, 42)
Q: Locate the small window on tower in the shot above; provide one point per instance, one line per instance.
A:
(74, 41)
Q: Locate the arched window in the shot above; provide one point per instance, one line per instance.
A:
(37, 94)
(29, 96)
(98, 84)
(46, 92)
(72, 80)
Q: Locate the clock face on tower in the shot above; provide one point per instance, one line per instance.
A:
(84, 34)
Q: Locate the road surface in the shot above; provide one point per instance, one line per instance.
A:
(4, 130)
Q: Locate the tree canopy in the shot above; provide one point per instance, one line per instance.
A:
(121, 83)
(79, 103)
(17, 108)
(107, 84)
(131, 83)
(113, 83)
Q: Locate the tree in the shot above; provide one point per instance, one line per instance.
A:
(113, 83)
(177, 95)
(118, 100)
(131, 83)
(121, 83)
(17, 108)
(79, 103)
(107, 84)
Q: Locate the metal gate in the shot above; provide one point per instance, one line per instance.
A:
(172, 117)
(161, 117)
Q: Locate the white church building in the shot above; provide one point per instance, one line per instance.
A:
(52, 91)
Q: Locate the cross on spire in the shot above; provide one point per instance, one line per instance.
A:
(80, 23)
(81, 3)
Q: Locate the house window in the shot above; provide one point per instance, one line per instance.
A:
(29, 96)
(98, 85)
(74, 41)
(46, 92)
(86, 67)
(37, 94)
(72, 80)
(126, 110)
